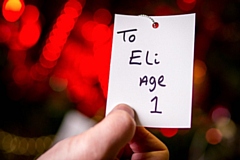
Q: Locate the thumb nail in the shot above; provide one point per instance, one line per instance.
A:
(125, 108)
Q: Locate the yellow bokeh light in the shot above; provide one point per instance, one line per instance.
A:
(200, 70)
(13, 5)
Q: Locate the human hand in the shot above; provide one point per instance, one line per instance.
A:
(107, 139)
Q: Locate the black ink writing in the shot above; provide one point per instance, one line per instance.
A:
(152, 82)
(156, 61)
(131, 38)
(149, 58)
(156, 104)
(134, 56)
(137, 54)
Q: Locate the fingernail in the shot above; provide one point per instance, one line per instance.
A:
(126, 108)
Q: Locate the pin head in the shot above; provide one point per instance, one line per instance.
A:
(155, 25)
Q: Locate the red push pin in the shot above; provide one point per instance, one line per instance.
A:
(155, 25)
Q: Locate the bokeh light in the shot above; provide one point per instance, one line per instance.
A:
(24, 146)
(212, 22)
(46, 63)
(200, 71)
(227, 127)
(57, 38)
(58, 84)
(29, 34)
(186, 5)
(21, 75)
(101, 30)
(12, 9)
(213, 136)
(87, 30)
(30, 15)
(164, 10)
(169, 132)
(220, 112)
(5, 33)
(102, 16)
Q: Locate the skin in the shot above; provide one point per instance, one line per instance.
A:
(115, 137)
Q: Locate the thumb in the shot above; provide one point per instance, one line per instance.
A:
(114, 132)
(103, 141)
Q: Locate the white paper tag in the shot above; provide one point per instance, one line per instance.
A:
(152, 68)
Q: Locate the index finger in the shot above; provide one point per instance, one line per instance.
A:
(144, 142)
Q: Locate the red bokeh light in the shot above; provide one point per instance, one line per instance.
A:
(102, 16)
(5, 33)
(102, 56)
(13, 42)
(213, 136)
(212, 22)
(101, 33)
(60, 32)
(186, 5)
(57, 38)
(74, 7)
(65, 23)
(20, 75)
(16, 57)
(80, 69)
(86, 66)
(51, 52)
(70, 52)
(164, 10)
(12, 9)
(46, 63)
(70, 11)
(169, 132)
(39, 73)
(30, 14)
(87, 29)
(29, 34)
(189, 1)
(41, 70)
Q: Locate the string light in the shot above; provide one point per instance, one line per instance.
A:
(30, 30)
(10, 143)
(57, 39)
